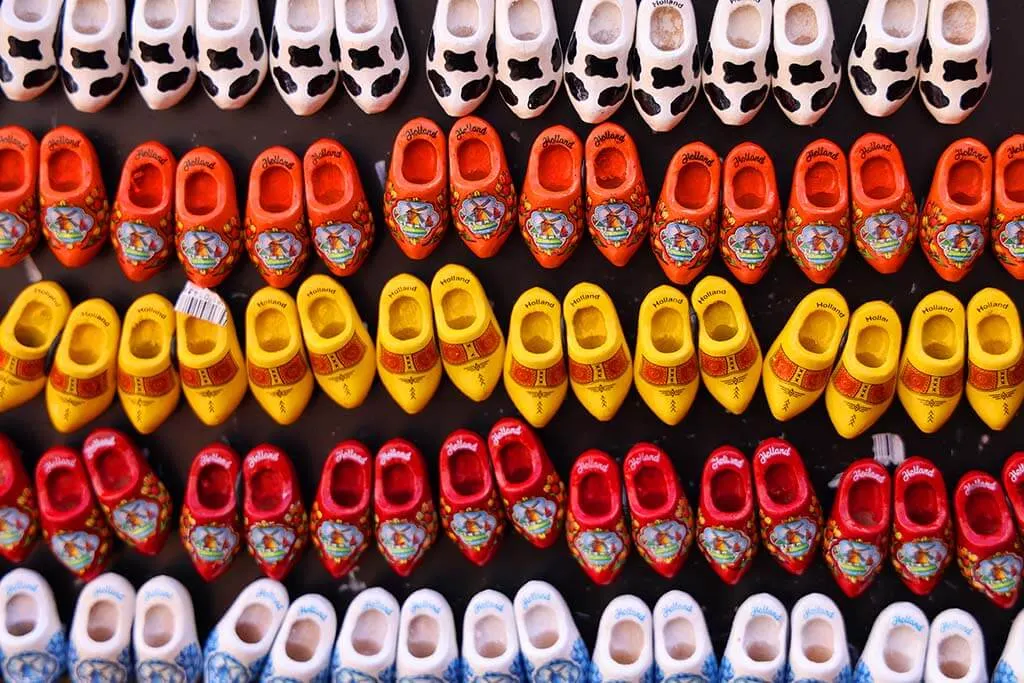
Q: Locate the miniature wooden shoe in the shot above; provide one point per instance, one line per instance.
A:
(1010, 666)
(28, 332)
(238, 646)
(276, 234)
(730, 356)
(550, 642)
(800, 359)
(32, 637)
(100, 636)
(368, 638)
(600, 366)
(624, 650)
(989, 551)
(726, 530)
(682, 645)
(665, 73)
(211, 526)
(595, 525)
(665, 371)
(736, 73)
(408, 361)
(304, 52)
(618, 204)
(374, 58)
(788, 510)
(1007, 206)
(94, 53)
(1013, 482)
(163, 51)
(19, 195)
(147, 381)
(340, 222)
(72, 197)
(995, 357)
(922, 543)
(817, 646)
(883, 61)
(818, 217)
(428, 647)
(275, 358)
(471, 511)
(534, 374)
(596, 69)
(529, 56)
(531, 490)
(490, 642)
(403, 506)
(207, 235)
(955, 59)
(416, 205)
(661, 516)
(551, 202)
(808, 68)
(461, 55)
(684, 230)
(272, 511)
(341, 520)
(142, 223)
(211, 364)
(756, 649)
(956, 650)
(340, 348)
(302, 649)
(896, 647)
(884, 208)
(751, 229)
(232, 53)
(164, 633)
(931, 378)
(30, 72)
(857, 534)
(19, 512)
(482, 194)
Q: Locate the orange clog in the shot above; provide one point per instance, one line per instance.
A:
(751, 226)
(416, 194)
(551, 201)
(1008, 206)
(206, 236)
(142, 225)
(684, 232)
(818, 218)
(72, 197)
(482, 195)
(340, 220)
(884, 208)
(19, 194)
(955, 219)
(618, 204)
(276, 235)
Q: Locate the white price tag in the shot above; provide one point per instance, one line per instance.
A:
(201, 303)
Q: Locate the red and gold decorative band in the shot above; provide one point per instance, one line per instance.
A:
(347, 356)
(288, 373)
(720, 366)
(26, 370)
(408, 363)
(155, 385)
(786, 369)
(851, 387)
(990, 380)
(221, 372)
(551, 376)
(89, 387)
(935, 385)
(666, 375)
(613, 368)
(481, 347)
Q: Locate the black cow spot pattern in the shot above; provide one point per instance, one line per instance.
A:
(891, 61)
(305, 56)
(924, 55)
(959, 71)
(382, 85)
(438, 83)
(397, 44)
(739, 73)
(460, 61)
(570, 50)
(475, 88)
(862, 79)
(633, 63)
(970, 99)
(173, 80)
(988, 59)
(492, 54)
(334, 47)
(188, 44)
(786, 99)
(602, 67)
(243, 84)
(696, 63)
(318, 85)
(806, 73)
(138, 74)
(353, 88)
(709, 60)
(934, 95)
(753, 99)
(158, 54)
(668, 78)
(646, 102)
(256, 44)
(275, 43)
(897, 90)
(102, 87)
(224, 59)
(556, 56)
(65, 77)
(716, 96)
(542, 95)
(771, 63)
(823, 97)
(836, 64)
(365, 59)
(612, 95)
(85, 59)
(682, 103)
(521, 70)
(26, 49)
(208, 85)
(430, 46)
(39, 77)
(507, 94)
(576, 87)
(860, 42)
(5, 71)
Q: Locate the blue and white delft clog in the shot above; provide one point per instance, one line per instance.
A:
(550, 642)
(100, 637)
(368, 640)
(302, 649)
(238, 646)
(490, 642)
(33, 647)
(164, 633)
(756, 649)
(682, 645)
(428, 648)
(624, 650)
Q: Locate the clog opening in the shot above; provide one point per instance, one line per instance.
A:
(159, 14)
(749, 187)
(515, 462)
(405, 318)
(959, 22)
(397, 483)
(937, 337)
(12, 170)
(822, 183)
(743, 30)
(145, 339)
(303, 15)
(537, 332)
(524, 19)
(651, 487)
(458, 308)
(224, 14)
(898, 17)
(146, 189)
(878, 178)
(1013, 180)
(667, 28)
(253, 623)
(114, 470)
(466, 469)
(720, 321)
(200, 193)
(679, 638)
(474, 159)
(693, 186)
(90, 16)
(610, 168)
(32, 327)
(30, 10)
(541, 626)
(490, 637)
(267, 489)
(761, 637)
(463, 18)
(65, 489)
(872, 346)
(200, 336)
(369, 632)
(983, 512)
(424, 636)
(348, 482)
(327, 182)
(727, 493)
(327, 317)
(271, 330)
(361, 15)
(818, 640)
(555, 168)
(954, 656)
(86, 343)
(864, 502)
(965, 182)
(419, 162)
(101, 622)
(626, 642)
(801, 24)
(213, 486)
(589, 327)
(157, 626)
(277, 188)
(994, 334)
(817, 332)
(64, 169)
(921, 503)
(21, 614)
(605, 24)
(781, 483)
(667, 330)
(303, 637)
(903, 647)
(595, 495)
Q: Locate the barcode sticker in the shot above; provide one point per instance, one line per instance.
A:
(888, 448)
(201, 303)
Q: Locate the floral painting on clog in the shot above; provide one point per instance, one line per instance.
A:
(93, 670)
(482, 215)
(820, 244)
(475, 528)
(13, 525)
(599, 548)
(69, 225)
(34, 666)
(961, 242)
(338, 242)
(684, 243)
(213, 542)
(549, 230)
(76, 549)
(1000, 573)
(402, 541)
(563, 670)
(884, 232)
(137, 519)
(856, 559)
(12, 229)
(663, 541)
(794, 538)
(534, 517)
(615, 221)
(923, 558)
(278, 251)
(272, 542)
(415, 219)
(139, 242)
(724, 546)
(752, 244)
(339, 540)
(204, 250)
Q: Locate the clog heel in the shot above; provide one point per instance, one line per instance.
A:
(408, 361)
(403, 506)
(84, 373)
(211, 364)
(595, 525)
(368, 639)
(788, 509)
(471, 512)
(818, 217)
(1011, 664)
(341, 521)
(274, 516)
(482, 195)
(19, 191)
(276, 234)
(756, 649)
(210, 524)
(31, 637)
(618, 203)
(896, 647)
(665, 371)
(19, 511)
(147, 381)
(624, 650)
(931, 376)
(1013, 483)
(241, 640)
(995, 357)
(956, 649)
(490, 642)
(989, 550)
(416, 205)
(726, 530)
(340, 221)
(142, 223)
(1008, 206)
(730, 356)
(682, 644)
(750, 232)
(922, 543)
(551, 217)
(534, 373)
(100, 636)
(207, 235)
(275, 358)
(857, 535)
(28, 332)
(164, 633)
(884, 208)
(548, 637)
(302, 649)
(428, 647)
(661, 516)
(817, 647)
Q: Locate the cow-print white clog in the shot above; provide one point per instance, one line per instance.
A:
(736, 76)
(808, 65)
(374, 58)
(163, 50)
(883, 61)
(461, 54)
(955, 58)
(28, 63)
(666, 66)
(94, 52)
(304, 53)
(232, 50)
(529, 55)
(597, 57)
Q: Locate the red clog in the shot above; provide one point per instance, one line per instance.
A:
(135, 502)
(276, 235)
(818, 218)
(884, 208)
(470, 510)
(618, 204)
(73, 525)
(595, 525)
(482, 195)
(1008, 206)
(211, 527)
(531, 489)
(857, 534)
(272, 510)
(684, 233)
(989, 550)
(751, 227)
(791, 518)
(72, 198)
(19, 513)
(416, 195)
(207, 236)
(142, 225)
(1013, 482)
(340, 220)
(955, 218)
(341, 522)
(19, 194)
(726, 532)
(403, 505)
(662, 519)
(551, 202)
(922, 531)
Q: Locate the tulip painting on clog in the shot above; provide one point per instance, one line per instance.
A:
(19, 512)
(618, 204)
(989, 550)
(884, 208)
(19, 197)
(931, 375)
(818, 218)
(403, 506)
(551, 202)
(471, 510)
(207, 236)
(726, 529)
(750, 231)
(666, 369)
(661, 516)
(36, 316)
(340, 221)
(995, 357)
(272, 511)
(142, 223)
(210, 525)
(857, 533)
(922, 530)
(147, 381)
(788, 509)
(341, 520)
(595, 525)
(276, 234)
(1008, 206)
(482, 193)
(416, 204)
(534, 375)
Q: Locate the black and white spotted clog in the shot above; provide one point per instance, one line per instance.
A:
(883, 60)
(665, 67)
(163, 51)
(955, 58)
(530, 58)
(808, 65)
(28, 62)
(94, 52)
(232, 57)
(597, 56)
(374, 58)
(736, 75)
(304, 54)
(461, 54)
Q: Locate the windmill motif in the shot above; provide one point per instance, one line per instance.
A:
(959, 241)
(550, 228)
(1000, 572)
(204, 248)
(415, 218)
(615, 221)
(12, 228)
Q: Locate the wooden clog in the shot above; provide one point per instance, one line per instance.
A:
(275, 358)
(551, 203)
(19, 193)
(788, 509)
(403, 506)
(995, 357)
(471, 510)
(534, 374)
(341, 520)
(618, 204)
(482, 193)
(726, 526)
(147, 379)
(408, 362)
(818, 217)
(29, 331)
(273, 514)
(1008, 206)
(416, 205)
(922, 540)
(276, 234)
(666, 368)
(751, 229)
(207, 235)
(989, 550)
(661, 517)
(595, 525)
(19, 511)
(211, 523)
(857, 534)
(142, 223)
(340, 221)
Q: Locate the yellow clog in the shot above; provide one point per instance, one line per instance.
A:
(800, 359)
(407, 359)
(275, 358)
(211, 365)
(535, 377)
(27, 333)
(995, 357)
(665, 370)
(600, 365)
(863, 383)
(730, 356)
(147, 382)
(931, 377)
(472, 345)
(84, 373)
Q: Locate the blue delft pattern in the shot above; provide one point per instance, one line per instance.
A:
(576, 669)
(322, 676)
(185, 668)
(220, 666)
(1004, 673)
(343, 674)
(452, 674)
(515, 674)
(94, 670)
(842, 676)
(727, 675)
(595, 676)
(36, 666)
(708, 673)
(862, 674)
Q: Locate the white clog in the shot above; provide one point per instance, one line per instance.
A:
(736, 78)
(304, 54)
(550, 642)
(955, 59)
(624, 650)
(302, 648)
(100, 637)
(374, 58)
(28, 63)
(33, 647)
(682, 645)
(461, 54)
(808, 65)
(237, 647)
(756, 649)
(529, 55)
(490, 642)
(94, 52)
(232, 51)
(956, 649)
(164, 633)
(817, 641)
(368, 640)
(428, 647)
(1010, 668)
(896, 647)
(666, 72)
(883, 60)
(597, 57)
(163, 51)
